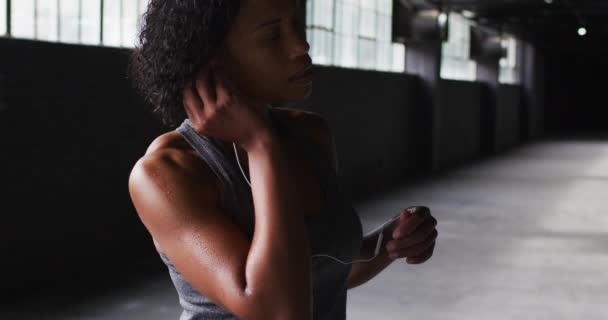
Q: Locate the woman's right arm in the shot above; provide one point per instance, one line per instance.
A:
(268, 278)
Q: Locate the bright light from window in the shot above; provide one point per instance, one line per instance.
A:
(130, 11)
(112, 35)
(22, 19)
(89, 23)
(353, 34)
(455, 61)
(2, 17)
(509, 68)
(69, 11)
(398, 64)
(75, 21)
(47, 20)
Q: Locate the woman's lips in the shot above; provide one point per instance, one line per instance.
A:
(306, 77)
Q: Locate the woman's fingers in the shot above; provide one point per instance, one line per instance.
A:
(222, 86)
(422, 257)
(191, 99)
(419, 235)
(413, 221)
(205, 86)
(398, 250)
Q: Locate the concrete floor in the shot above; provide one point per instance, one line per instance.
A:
(522, 235)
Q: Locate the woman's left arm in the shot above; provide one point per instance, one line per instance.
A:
(412, 236)
(362, 272)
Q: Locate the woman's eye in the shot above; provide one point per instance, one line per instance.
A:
(274, 36)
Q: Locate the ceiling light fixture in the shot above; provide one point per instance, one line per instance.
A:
(582, 31)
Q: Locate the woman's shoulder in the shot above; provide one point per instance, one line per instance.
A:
(169, 155)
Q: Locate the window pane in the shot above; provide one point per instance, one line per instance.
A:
(347, 19)
(508, 72)
(367, 53)
(2, 17)
(385, 7)
(384, 28)
(143, 5)
(323, 12)
(68, 31)
(398, 57)
(321, 46)
(47, 20)
(368, 23)
(368, 5)
(345, 50)
(111, 23)
(353, 33)
(383, 56)
(309, 13)
(455, 62)
(130, 11)
(90, 29)
(22, 22)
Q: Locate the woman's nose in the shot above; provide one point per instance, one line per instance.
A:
(299, 46)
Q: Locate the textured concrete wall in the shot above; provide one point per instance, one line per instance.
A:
(372, 115)
(70, 133)
(508, 110)
(458, 121)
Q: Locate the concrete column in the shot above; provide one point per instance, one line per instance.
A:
(533, 83)
(487, 73)
(423, 58)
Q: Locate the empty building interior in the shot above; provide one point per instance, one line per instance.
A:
(489, 113)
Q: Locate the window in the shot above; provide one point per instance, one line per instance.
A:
(455, 61)
(508, 72)
(22, 19)
(353, 34)
(46, 20)
(2, 17)
(69, 26)
(321, 30)
(90, 22)
(112, 27)
(130, 13)
(75, 21)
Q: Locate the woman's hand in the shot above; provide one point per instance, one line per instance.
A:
(413, 235)
(217, 108)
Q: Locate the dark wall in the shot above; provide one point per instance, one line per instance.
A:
(458, 121)
(576, 90)
(508, 116)
(467, 124)
(373, 118)
(70, 132)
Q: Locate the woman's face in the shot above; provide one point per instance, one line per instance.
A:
(265, 46)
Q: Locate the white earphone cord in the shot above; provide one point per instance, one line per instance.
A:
(380, 235)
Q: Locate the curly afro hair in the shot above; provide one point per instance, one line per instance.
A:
(176, 39)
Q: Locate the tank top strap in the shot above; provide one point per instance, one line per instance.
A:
(236, 197)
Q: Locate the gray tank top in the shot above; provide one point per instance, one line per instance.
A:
(336, 231)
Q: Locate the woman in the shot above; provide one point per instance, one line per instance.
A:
(241, 195)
